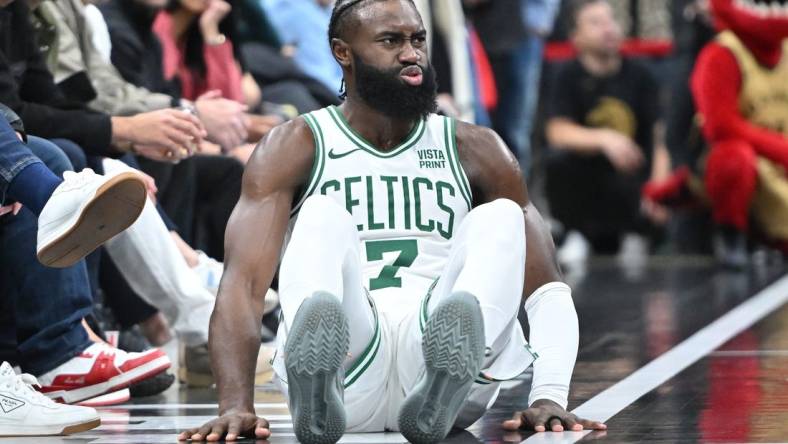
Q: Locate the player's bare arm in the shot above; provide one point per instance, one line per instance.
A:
(494, 173)
(255, 234)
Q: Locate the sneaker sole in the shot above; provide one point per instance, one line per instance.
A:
(113, 398)
(453, 347)
(113, 208)
(114, 384)
(51, 430)
(316, 348)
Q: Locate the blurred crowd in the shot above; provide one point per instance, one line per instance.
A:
(593, 97)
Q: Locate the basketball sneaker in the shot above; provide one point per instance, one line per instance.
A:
(316, 347)
(101, 369)
(26, 412)
(85, 211)
(453, 348)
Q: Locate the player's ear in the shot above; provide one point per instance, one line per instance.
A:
(341, 51)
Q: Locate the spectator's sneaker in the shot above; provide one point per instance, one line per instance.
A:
(114, 398)
(194, 366)
(101, 369)
(132, 341)
(271, 301)
(152, 386)
(453, 348)
(210, 271)
(85, 211)
(730, 248)
(574, 251)
(26, 412)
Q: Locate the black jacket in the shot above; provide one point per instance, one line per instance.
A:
(136, 50)
(27, 87)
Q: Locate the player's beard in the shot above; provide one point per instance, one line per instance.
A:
(384, 91)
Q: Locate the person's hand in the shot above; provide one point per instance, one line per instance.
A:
(211, 17)
(224, 119)
(544, 414)
(161, 154)
(166, 134)
(656, 213)
(150, 185)
(209, 149)
(14, 209)
(622, 152)
(229, 426)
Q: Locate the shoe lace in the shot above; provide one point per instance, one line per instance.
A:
(25, 383)
(73, 180)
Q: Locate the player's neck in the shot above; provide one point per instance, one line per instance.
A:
(382, 131)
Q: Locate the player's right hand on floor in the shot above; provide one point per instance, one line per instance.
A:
(230, 427)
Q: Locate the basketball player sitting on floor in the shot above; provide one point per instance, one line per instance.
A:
(405, 239)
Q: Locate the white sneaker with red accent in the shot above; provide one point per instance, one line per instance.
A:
(101, 369)
(108, 399)
(26, 412)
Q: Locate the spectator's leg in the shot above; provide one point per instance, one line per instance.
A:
(74, 152)
(177, 194)
(219, 188)
(127, 307)
(586, 194)
(51, 154)
(23, 177)
(530, 59)
(48, 303)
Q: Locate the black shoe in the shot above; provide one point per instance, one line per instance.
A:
(730, 248)
(152, 386)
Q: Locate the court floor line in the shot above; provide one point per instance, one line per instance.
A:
(275, 405)
(609, 402)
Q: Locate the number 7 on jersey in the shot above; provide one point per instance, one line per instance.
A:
(408, 250)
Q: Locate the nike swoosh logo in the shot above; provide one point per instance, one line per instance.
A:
(333, 155)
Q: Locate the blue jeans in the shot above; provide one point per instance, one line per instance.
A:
(519, 86)
(40, 323)
(14, 157)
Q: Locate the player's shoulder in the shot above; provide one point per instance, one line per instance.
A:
(479, 141)
(291, 138)
(482, 152)
(283, 157)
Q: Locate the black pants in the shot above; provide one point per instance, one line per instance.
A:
(588, 195)
(199, 194)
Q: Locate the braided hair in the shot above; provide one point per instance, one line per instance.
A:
(338, 21)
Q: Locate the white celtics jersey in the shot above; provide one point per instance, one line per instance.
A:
(407, 203)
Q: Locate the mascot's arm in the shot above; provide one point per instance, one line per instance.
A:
(715, 85)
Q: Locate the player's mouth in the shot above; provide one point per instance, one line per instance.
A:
(412, 75)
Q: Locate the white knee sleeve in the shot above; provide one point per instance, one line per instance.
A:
(554, 337)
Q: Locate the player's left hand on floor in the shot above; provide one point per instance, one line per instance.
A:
(546, 415)
(230, 427)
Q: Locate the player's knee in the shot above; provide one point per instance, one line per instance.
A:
(320, 206)
(324, 211)
(502, 211)
(500, 222)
